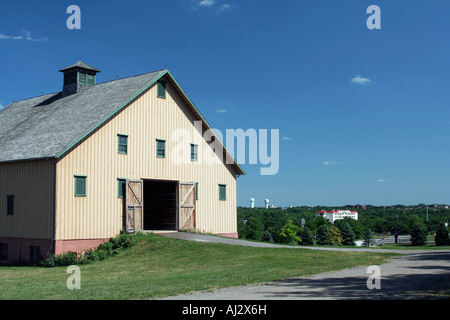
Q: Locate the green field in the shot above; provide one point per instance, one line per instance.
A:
(160, 266)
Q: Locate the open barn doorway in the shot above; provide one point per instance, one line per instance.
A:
(160, 205)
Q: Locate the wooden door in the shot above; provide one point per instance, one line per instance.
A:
(186, 195)
(134, 205)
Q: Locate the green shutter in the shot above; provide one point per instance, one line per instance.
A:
(80, 186)
(82, 77)
(10, 205)
(90, 79)
(161, 89)
(222, 192)
(196, 191)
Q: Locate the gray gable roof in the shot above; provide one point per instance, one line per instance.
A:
(47, 126)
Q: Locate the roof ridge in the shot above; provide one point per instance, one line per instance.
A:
(137, 75)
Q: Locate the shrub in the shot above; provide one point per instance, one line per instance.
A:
(418, 235)
(348, 236)
(442, 237)
(323, 235)
(103, 251)
(289, 233)
(335, 236)
(368, 238)
(307, 237)
(267, 236)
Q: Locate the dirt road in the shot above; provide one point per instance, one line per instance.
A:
(418, 274)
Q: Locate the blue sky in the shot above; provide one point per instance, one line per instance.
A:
(381, 138)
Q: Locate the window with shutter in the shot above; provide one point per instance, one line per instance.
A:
(160, 148)
(194, 152)
(3, 252)
(10, 205)
(80, 186)
(161, 89)
(121, 187)
(222, 192)
(123, 143)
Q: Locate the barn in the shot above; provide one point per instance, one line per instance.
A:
(82, 165)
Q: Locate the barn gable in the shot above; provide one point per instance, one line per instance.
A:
(50, 126)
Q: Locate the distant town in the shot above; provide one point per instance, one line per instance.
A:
(433, 206)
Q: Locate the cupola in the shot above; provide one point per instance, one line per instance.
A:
(77, 77)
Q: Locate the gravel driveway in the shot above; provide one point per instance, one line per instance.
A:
(417, 274)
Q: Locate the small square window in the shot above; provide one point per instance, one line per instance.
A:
(161, 88)
(123, 143)
(222, 192)
(194, 152)
(80, 186)
(3, 252)
(160, 148)
(10, 205)
(35, 254)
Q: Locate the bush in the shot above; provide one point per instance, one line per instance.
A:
(418, 235)
(335, 236)
(442, 237)
(368, 238)
(348, 236)
(103, 251)
(307, 237)
(323, 235)
(289, 233)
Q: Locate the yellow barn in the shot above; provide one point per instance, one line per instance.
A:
(79, 166)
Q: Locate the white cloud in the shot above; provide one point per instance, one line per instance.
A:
(26, 36)
(331, 163)
(360, 80)
(221, 111)
(206, 3)
(382, 180)
(286, 138)
(211, 4)
(225, 6)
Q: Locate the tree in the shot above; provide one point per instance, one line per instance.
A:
(418, 235)
(289, 233)
(255, 228)
(368, 237)
(348, 236)
(442, 237)
(323, 235)
(307, 237)
(335, 236)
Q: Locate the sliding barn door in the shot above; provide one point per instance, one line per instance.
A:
(186, 206)
(134, 207)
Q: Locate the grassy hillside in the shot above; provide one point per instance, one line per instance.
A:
(160, 266)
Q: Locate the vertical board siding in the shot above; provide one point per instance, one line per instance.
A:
(99, 214)
(31, 183)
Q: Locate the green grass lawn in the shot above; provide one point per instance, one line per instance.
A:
(161, 266)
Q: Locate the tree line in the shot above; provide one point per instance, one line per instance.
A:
(300, 224)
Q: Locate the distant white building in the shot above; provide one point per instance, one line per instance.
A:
(337, 214)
